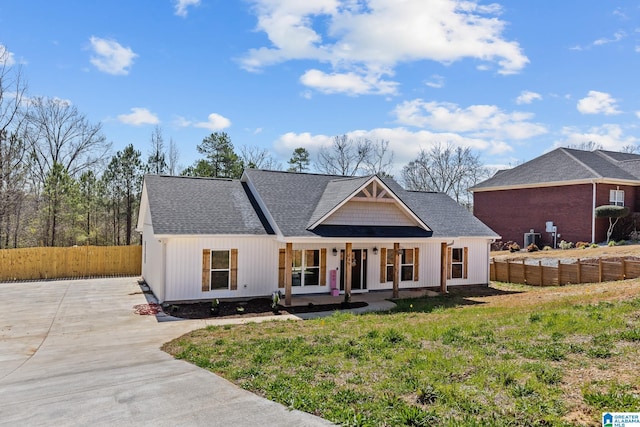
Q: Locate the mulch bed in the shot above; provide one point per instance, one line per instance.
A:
(251, 308)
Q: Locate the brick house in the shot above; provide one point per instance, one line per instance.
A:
(559, 189)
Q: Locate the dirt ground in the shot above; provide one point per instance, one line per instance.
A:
(605, 252)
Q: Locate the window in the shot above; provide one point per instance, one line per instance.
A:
(616, 197)
(306, 268)
(406, 265)
(220, 269)
(457, 263)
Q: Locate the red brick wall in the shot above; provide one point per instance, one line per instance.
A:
(511, 213)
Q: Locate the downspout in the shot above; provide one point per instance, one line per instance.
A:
(164, 269)
(593, 215)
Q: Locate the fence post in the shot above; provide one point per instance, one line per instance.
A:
(599, 269)
(524, 272)
(541, 273)
(579, 271)
(624, 269)
(559, 273)
(508, 271)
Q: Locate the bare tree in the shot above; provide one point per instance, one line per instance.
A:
(630, 148)
(258, 158)
(13, 161)
(157, 164)
(586, 146)
(380, 159)
(345, 157)
(173, 157)
(448, 169)
(58, 133)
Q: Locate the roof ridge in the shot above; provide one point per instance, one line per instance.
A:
(565, 150)
(205, 178)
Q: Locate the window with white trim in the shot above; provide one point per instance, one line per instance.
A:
(616, 197)
(306, 268)
(220, 269)
(406, 265)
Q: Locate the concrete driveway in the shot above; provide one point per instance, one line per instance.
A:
(75, 353)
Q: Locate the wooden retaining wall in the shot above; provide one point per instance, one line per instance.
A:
(563, 274)
(69, 263)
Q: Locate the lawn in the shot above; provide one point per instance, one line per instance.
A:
(509, 356)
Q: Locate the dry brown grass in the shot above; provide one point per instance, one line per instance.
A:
(604, 252)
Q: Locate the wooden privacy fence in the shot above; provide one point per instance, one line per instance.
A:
(563, 274)
(73, 262)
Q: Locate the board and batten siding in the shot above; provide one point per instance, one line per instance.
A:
(477, 263)
(152, 259)
(257, 267)
(367, 213)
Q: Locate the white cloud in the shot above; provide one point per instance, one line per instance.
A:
(609, 136)
(139, 117)
(110, 56)
(367, 40)
(436, 81)
(638, 114)
(527, 97)
(619, 35)
(350, 83)
(214, 122)
(181, 6)
(482, 121)
(598, 103)
(404, 143)
(6, 58)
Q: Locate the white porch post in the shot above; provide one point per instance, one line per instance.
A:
(348, 259)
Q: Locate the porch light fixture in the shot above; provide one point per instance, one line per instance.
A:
(335, 252)
(375, 250)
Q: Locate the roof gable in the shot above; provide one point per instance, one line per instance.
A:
(370, 189)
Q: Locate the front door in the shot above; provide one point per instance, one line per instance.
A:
(358, 270)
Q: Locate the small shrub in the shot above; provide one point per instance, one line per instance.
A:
(582, 245)
(514, 247)
(621, 242)
(565, 245)
(611, 243)
(532, 248)
(547, 248)
(593, 245)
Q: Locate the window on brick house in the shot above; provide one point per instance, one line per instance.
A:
(616, 197)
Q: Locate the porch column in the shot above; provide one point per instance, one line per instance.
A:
(443, 267)
(396, 270)
(288, 261)
(348, 259)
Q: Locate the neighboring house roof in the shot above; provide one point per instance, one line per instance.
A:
(564, 166)
(187, 205)
(294, 202)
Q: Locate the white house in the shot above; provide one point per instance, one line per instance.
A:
(206, 238)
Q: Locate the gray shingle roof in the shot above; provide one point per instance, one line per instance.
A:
(292, 199)
(207, 206)
(185, 205)
(565, 165)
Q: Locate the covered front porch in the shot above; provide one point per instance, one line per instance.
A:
(346, 268)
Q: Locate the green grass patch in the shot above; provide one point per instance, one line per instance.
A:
(447, 361)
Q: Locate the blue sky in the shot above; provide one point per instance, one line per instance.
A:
(511, 79)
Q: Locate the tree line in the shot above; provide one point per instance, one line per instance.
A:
(61, 184)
